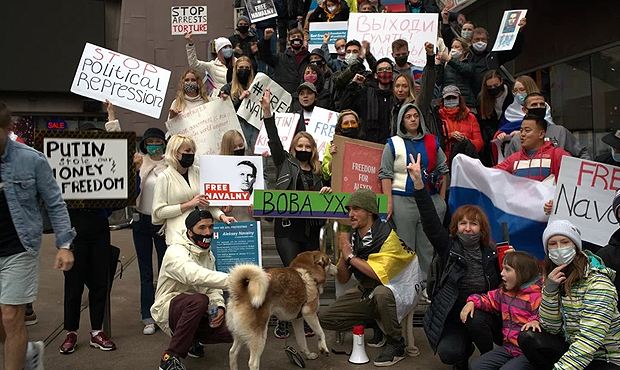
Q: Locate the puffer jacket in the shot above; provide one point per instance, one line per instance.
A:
(517, 309)
(186, 269)
(287, 71)
(611, 257)
(588, 318)
(468, 127)
(460, 73)
(450, 251)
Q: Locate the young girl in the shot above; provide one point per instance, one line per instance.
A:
(517, 300)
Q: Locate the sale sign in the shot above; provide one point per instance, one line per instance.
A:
(356, 165)
(184, 19)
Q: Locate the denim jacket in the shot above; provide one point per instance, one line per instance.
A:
(27, 179)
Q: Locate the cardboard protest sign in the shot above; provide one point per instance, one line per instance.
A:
(229, 180)
(306, 204)
(259, 10)
(206, 124)
(508, 29)
(335, 29)
(92, 169)
(356, 165)
(125, 81)
(239, 242)
(250, 108)
(322, 126)
(584, 195)
(286, 123)
(380, 29)
(188, 18)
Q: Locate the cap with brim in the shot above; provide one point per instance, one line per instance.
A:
(450, 90)
(318, 52)
(306, 85)
(612, 139)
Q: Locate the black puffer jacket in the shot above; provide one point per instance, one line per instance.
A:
(460, 73)
(450, 252)
(287, 72)
(611, 257)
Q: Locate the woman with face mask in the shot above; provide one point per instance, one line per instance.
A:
(494, 99)
(579, 313)
(510, 121)
(330, 11)
(458, 70)
(177, 189)
(297, 169)
(191, 93)
(233, 144)
(348, 125)
(217, 68)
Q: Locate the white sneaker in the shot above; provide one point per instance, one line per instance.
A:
(149, 329)
(34, 356)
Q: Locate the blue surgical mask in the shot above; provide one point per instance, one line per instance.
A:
(614, 155)
(227, 53)
(451, 103)
(466, 34)
(520, 97)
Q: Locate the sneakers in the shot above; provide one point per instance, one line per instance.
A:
(196, 350)
(281, 331)
(34, 356)
(69, 345)
(391, 354)
(31, 316)
(102, 342)
(149, 329)
(378, 339)
(308, 332)
(169, 362)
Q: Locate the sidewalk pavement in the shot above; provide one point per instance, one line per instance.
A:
(138, 351)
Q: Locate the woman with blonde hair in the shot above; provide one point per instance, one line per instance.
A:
(190, 94)
(177, 190)
(510, 122)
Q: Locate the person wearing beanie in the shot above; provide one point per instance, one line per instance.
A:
(216, 69)
(372, 253)
(244, 41)
(187, 287)
(579, 310)
(611, 252)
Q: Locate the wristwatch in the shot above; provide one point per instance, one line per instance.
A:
(349, 257)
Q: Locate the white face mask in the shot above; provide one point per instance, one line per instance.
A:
(456, 54)
(480, 46)
(614, 155)
(331, 8)
(563, 255)
(350, 58)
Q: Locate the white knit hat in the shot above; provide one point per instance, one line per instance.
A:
(220, 42)
(564, 228)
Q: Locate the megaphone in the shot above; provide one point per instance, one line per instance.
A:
(358, 352)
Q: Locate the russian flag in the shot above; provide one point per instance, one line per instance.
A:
(505, 198)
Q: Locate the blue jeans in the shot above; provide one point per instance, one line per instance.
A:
(144, 236)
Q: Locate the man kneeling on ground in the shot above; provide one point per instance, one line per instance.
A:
(380, 262)
(188, 284)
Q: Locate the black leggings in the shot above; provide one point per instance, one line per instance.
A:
(543, 350)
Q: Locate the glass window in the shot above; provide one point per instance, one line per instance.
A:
(605, 94)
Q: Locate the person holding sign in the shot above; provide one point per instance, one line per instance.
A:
(611, 253)
(349, 126)
(218, 68)
(177, 190)
(298, 169)
(458, 70)
(579, 314)
(306, 96)
(190, 94)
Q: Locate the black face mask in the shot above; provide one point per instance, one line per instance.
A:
(243, 29)
(187, 160)
(401, 60)
(538, 112)
(239, 151)
(303, 156)
(243, 75)
(318, 63)
(495, 91)
(203, 241)
(296, 44)
(353, 133)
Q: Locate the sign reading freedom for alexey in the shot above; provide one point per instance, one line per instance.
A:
(584, 195)
(306, 204)
(356, 165)
(239, 242)
(125, 81)
(192, 18)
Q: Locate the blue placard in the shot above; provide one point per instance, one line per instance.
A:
(236, 243)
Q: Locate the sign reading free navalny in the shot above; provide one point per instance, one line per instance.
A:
(306, 204)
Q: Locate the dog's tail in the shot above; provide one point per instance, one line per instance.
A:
(250, 280)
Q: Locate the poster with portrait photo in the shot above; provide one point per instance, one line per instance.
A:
(508, 29)
(228, 180)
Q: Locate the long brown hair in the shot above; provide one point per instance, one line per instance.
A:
(574, 272)
(525, 266)
(202, 90)
(314, 162)
(487, 102)
(472, 213)
(236, 88)
(463, 110)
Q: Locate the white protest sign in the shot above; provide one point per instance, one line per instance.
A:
(188, 18)
(229, 180)
(259, 10)
(380, 29)
(250, 108)
(286, 123)
(88, 168)
(584, 195)
(322, 126)
(206, 124)
(335, 29)
(125, 81)
(508, 29)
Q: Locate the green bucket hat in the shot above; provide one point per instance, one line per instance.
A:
(365, 199)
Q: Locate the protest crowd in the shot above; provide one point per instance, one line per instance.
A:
(439, 129)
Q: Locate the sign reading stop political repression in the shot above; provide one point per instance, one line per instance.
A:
(286, 123)
(189, 18)
(125, 81)
(356, 165)
(230, 180)
(380, 29)
(250, 108)
(206, 124)
(322, 126)
(584, 196)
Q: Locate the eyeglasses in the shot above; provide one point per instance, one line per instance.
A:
(385, 69)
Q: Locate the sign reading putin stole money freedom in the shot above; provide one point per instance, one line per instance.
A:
(251, 110)
(190, 18)
(286, 123)
(239, 242)
(380, 29)
(230, 180)
(306, 204)
(356, 165)
(125, 81)
(92, 169)
(584, 195)
(322, 126)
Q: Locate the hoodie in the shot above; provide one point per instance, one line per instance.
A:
(396, 156)
(540, 166)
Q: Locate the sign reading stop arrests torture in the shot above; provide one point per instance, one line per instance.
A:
(189, 18)
(125, 81)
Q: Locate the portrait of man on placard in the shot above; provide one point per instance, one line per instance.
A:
(246, 171)
(511, 22)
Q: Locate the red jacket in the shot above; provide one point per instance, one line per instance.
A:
(468, 127)
(545, 162)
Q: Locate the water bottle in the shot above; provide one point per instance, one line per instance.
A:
(212, 314)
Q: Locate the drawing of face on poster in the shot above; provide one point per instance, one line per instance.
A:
(511, 22)
(246, 172)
